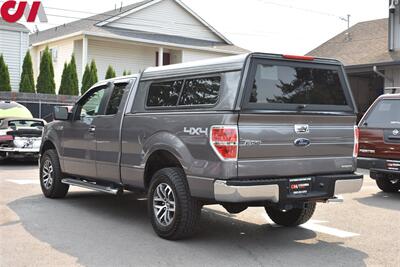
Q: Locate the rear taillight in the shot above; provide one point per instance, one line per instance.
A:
(6, 137)
(356, 141)
(224, 140)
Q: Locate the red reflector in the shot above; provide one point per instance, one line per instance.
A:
(298, 57)
(356, 141)
(6, 137)
(224, 140)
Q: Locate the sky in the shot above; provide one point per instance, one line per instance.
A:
(274, 26)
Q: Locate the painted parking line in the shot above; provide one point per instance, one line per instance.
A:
(316, 226)
(24, 182)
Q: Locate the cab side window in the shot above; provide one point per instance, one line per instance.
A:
(116, 98)
(92, 105)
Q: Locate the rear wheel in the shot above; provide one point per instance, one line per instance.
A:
(173, 212)
(293, 217)
(50, 176)
(388, 185)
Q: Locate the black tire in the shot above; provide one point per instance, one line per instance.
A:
(187, 210)
(293, 217)
(387, 186)
(55, 188)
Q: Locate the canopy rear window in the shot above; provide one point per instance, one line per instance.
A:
(295, 85)
(386, 114)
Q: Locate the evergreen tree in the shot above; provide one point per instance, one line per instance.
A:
(65, 86)
(85, 80)
(93, 74)
(4, 76)
(126, 73)
(74, 77)
(45, 82)
(27, 83)
(110, 73)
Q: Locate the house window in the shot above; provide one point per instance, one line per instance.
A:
(166, 59)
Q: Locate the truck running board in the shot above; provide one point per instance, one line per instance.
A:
(93, 186)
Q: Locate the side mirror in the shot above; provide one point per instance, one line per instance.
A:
(61, 113)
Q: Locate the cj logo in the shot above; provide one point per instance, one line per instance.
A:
(11, 11)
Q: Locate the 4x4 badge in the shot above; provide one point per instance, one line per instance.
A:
(396, 132)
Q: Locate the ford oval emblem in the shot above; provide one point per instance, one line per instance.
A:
(302, 142)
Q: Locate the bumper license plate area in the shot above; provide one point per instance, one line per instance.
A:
(300, 186)
(393, 165)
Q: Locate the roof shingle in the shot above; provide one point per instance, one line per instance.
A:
(364, 43)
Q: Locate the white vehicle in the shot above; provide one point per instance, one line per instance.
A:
(20, 138)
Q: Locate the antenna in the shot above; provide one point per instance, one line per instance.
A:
(120, 9)
(346, 20)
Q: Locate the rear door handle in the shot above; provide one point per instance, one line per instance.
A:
(92, 129)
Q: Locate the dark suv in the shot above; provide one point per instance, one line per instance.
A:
(252, 130)
(380, 142)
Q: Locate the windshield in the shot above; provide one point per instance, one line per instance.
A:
(25, 123)
(386, 114)
(297, 85)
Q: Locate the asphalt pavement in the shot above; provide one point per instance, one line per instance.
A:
(94, 229)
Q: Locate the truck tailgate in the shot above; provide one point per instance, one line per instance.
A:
(270, 145)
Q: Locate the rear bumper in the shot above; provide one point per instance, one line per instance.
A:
(378, 167)
(277, 190)
(19, 150)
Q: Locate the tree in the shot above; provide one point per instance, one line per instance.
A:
(27, 83)
(74, 76)
(126, 73)
(93, 74)
(110, 73)
(85, 80)
(4, 76)
(65, 86)
(45, 82)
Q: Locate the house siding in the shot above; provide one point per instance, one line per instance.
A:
(122, 56)
(394, 77)
(13, 46)
(65, 49)
(193, 55)
(166, 17)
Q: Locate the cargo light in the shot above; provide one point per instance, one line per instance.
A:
(356, 141)
(224, 140)
(298, 57)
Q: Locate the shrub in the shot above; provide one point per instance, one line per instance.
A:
(45, 82)
(27, 83)
(4, 76)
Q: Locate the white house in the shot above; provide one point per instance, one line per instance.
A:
(144, 34)
(14, 42)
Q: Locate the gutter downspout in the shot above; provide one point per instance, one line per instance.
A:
(375, 69)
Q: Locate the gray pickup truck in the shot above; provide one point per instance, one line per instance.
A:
(275, 131)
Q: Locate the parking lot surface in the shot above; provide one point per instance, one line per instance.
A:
(94, 229)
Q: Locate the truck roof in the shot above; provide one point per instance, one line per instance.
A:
(222, 64)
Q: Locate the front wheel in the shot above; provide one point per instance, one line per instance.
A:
(173, 212)
(293, 217)
(50, 175)
(387, 185)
